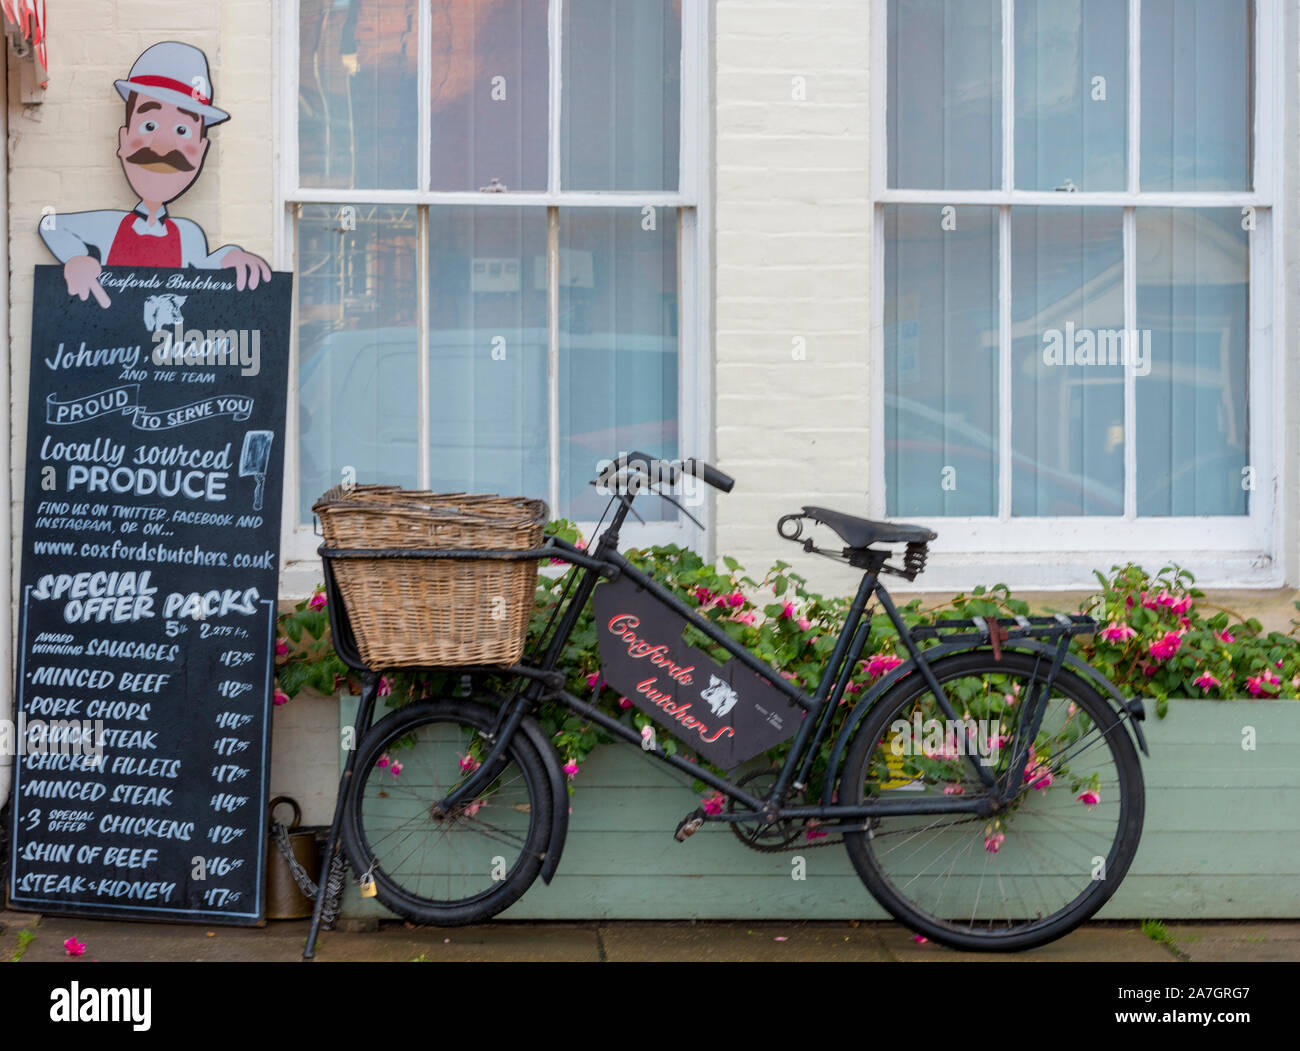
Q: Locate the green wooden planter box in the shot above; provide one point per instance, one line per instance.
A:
(1221, 840)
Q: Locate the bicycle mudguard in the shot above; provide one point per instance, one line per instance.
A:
(559, 796)
(1129, 710)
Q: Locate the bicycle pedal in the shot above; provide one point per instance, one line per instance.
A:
(690, 825)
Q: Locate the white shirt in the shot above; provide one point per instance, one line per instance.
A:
(76, 233)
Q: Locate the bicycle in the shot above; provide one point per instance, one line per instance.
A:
(946, 783)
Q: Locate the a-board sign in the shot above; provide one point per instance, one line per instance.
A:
(724, 712)
(147, 604)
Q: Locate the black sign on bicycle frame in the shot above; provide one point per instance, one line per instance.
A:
(725, 713)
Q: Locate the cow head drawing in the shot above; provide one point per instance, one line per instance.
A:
(721, 697)
(163, 311)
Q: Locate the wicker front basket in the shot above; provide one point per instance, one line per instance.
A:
(433, 612)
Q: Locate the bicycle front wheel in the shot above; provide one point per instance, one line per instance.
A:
(455, 868)
(1049, 858)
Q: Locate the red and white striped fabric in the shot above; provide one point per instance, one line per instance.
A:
(28, 16)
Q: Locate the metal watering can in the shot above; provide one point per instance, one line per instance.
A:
(292, 865)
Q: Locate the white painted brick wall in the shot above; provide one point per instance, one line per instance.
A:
(793, 258)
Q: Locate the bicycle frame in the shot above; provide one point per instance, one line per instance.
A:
(607, 561)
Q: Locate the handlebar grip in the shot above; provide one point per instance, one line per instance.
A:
(722, 482)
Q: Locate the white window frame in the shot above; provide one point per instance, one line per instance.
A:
(300, 562)
(1062, 552)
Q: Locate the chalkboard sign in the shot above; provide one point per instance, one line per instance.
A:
(150, 566)
(723, 712)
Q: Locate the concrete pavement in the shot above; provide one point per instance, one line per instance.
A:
(615, 942)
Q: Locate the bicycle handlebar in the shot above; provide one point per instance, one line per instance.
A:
(656, 470)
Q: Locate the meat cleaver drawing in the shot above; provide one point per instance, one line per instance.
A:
(254, 459)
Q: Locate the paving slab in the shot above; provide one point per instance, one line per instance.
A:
(1233, 942)
(1094, 943)
(756, 942)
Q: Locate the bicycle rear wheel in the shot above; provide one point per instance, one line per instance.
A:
(445, 869)
(1042, 865)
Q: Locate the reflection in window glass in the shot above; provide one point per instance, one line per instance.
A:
(1071, 95)
(1068, 351)
(1196, 70)
(1192, 425)
(945, 94)
(941, 360)
(487, 351)
(489, 94)
(357, 94)
(358, 377)
(622, 94)
(618, 347)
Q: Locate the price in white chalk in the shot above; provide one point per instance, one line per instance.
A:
(229, 745)
(228, 803)
(230, 688)
(223, 866)
(220, 897)
(227, 773)
(234, 658)
(224, 834)
(232, 720)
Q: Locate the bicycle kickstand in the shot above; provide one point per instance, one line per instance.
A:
(369, 690)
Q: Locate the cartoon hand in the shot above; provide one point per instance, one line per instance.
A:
(249, 268)
(81, 273)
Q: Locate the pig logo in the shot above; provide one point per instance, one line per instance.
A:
(163, 311)
(721, 697)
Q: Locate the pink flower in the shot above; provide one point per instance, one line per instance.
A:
(385, 687)
(746, 618)
(1182, 605)
(624, 703)
(1071, 709)
(1089, 798)
(1264, 682)
(954, 790)
(571, 769)
(804, 623)
(73, 947)
(1114, 632)
(787, 613)
(1206, 681)
(318, 601)
(1226, 636)
(920, 939)
(1166, 646)
(279, 697)
(395, 768)
(595, 682)
(281, 646)
(881, 664)
(468, 764)
(473, 808)
(1037, 774)
(703, 595)
(647, 732)
(736, 599)
(994, 841)
(814, 832)
(713, 804)
(383, 761)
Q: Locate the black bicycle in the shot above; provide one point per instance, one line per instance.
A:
(987, 789)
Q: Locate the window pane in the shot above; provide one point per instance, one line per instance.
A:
(490, 94)
(622, 94)
(1068, 351)
(941, 361)
(618, 347)
(1072, 95)
(1196, 70)
(945, 94)
(358, 380)
(1192, 295)
(357, 94)
(487, 346)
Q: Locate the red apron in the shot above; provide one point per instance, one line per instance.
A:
(133, 249)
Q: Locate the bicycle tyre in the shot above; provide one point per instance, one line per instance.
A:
(453, 870)
(897, 882)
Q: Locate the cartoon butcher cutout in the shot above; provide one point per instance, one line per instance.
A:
(162, 147)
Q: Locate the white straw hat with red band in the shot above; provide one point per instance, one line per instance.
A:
(176, 73)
